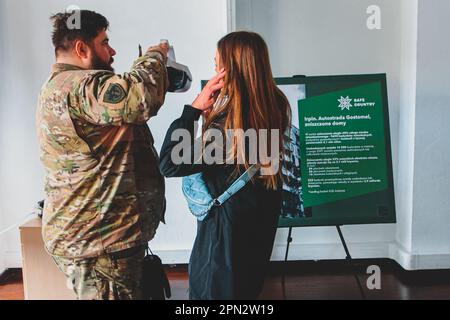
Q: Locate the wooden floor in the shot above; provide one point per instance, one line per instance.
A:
(324, 280)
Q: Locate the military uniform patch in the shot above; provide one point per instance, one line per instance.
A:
(114, 94)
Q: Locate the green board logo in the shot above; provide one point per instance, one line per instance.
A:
(114, 94)
(345, 103)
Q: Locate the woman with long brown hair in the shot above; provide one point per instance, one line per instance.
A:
(234, 243)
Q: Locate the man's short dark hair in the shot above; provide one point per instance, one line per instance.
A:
(63, 37)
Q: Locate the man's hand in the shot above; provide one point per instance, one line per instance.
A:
(163, 48)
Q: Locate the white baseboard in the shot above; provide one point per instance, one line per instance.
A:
(412, 262)
(173, 256)
(299, 252)
(331, 251)
(13, 259)
(2, 263)
(335, 251)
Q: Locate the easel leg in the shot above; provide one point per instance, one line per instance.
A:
(289, 240)
(283, 279)
(350, 261)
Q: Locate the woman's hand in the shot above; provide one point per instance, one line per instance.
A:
(210, 92)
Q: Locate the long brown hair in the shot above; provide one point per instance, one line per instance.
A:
(251, 96)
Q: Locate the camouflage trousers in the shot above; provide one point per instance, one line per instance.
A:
(112, 276)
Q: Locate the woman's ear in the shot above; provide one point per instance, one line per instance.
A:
(218, 62)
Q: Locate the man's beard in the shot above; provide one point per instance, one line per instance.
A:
(99, 64)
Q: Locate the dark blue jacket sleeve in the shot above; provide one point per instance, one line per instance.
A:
(187, 120)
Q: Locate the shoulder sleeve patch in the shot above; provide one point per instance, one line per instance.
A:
(114, 94)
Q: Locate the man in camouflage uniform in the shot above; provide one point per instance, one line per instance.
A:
(104, 191)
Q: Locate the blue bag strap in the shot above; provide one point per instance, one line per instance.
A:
(238, 184)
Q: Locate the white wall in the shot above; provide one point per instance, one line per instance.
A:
(193, 27)
(406, 127)
(330, 37)
(2, 247)
(424, 242)
(305, 37)
(325, 37)
(2, 92)
(431, 205)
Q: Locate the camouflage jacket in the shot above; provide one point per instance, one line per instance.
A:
(104, 191)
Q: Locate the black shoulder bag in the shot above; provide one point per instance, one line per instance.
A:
(155, 282)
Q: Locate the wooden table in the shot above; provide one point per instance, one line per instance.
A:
(41, 277)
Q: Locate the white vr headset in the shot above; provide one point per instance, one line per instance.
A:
(180, 78)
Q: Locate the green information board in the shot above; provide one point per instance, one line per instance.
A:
(339, 167)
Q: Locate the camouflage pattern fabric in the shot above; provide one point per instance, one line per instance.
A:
(113, 276)
(104, 191)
